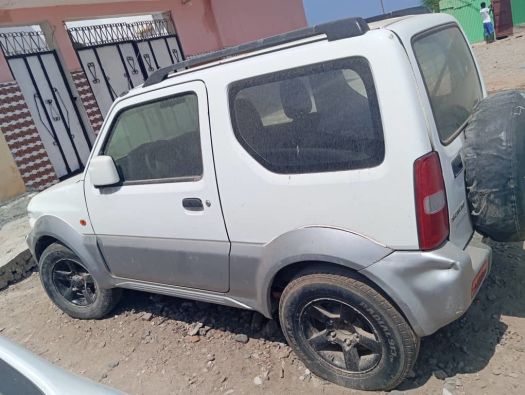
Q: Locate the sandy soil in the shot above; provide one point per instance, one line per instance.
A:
(503, 62)
(160, 345)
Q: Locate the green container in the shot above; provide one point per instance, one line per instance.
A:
(467, 13)
(518, 12)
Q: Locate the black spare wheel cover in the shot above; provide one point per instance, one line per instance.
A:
(494, 158)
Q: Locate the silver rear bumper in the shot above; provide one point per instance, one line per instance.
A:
(433, 288)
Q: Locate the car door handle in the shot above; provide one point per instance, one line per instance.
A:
(192, 204)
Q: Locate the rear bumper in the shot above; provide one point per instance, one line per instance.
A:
(433, 288)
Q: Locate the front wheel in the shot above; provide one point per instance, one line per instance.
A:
(71, 287)
(346, 332)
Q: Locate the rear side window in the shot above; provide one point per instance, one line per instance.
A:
(158, 140)
(450, 76)
(318, 118)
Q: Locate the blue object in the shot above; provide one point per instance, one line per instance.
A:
(489, 29)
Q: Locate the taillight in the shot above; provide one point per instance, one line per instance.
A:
(431, 202)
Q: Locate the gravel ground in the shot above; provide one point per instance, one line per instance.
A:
(155, 344)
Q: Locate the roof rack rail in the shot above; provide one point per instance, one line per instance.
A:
(344, 28)
(396, 14)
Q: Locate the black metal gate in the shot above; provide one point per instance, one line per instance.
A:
(49, 98)
(117, 57)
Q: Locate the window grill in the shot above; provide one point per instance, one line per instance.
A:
(23, 43)
(87, 36)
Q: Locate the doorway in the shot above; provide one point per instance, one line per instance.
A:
(119, 56)
(46, 91)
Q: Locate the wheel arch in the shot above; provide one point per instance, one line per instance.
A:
(50, 229)
(42, 243)
(294, 251)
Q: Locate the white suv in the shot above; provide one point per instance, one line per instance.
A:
(316, 174)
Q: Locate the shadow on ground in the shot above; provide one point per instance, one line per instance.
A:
(211, 316)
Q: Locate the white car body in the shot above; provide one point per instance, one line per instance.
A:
(232, 250)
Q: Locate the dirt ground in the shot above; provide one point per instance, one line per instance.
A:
(160, 345)
(503, 62)
(147, 345)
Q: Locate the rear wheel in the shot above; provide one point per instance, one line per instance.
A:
(346, 332)
(71, 287)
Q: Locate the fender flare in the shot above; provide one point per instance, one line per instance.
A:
(84, 246)
(308, 244)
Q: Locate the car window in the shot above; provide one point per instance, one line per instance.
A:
(318, 118)
(157, 140)
(13, 382)
(450, 76)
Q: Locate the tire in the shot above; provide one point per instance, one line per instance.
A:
(77, 293)
(380, 365)
(494, 157)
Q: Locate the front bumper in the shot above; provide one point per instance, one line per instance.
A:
(433, 288)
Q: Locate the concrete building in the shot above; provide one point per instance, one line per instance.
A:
(64, 61)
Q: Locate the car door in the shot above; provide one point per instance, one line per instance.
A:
(163, 222)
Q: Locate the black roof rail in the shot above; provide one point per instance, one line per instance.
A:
(344, 28)
(396, 14)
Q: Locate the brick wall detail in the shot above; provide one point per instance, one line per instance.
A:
(23, 139)
(88, 99)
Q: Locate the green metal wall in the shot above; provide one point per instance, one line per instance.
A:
(518, 12)
(467, 13)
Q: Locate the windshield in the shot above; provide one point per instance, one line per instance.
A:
(450, 76)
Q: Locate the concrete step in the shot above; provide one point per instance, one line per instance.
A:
(16, 261)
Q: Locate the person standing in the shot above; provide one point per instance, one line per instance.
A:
(488, 27)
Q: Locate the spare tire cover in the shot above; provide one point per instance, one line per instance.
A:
(494, 157)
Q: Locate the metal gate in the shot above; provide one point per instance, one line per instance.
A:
(117, 57)
(47, 93)
(503, 18)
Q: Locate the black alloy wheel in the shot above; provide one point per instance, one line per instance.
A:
(345, 331)
(341, 335)
(72, 287)
(74, 282)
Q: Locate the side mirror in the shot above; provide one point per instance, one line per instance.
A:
(103, 172)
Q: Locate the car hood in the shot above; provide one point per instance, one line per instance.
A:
(64, 200)
(64, 184)
(56, 194)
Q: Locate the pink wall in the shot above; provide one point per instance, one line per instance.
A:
(241, 21)
(202, 25)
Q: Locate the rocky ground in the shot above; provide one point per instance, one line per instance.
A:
(159, 345)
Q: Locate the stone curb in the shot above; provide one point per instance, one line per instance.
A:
(18, 268)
